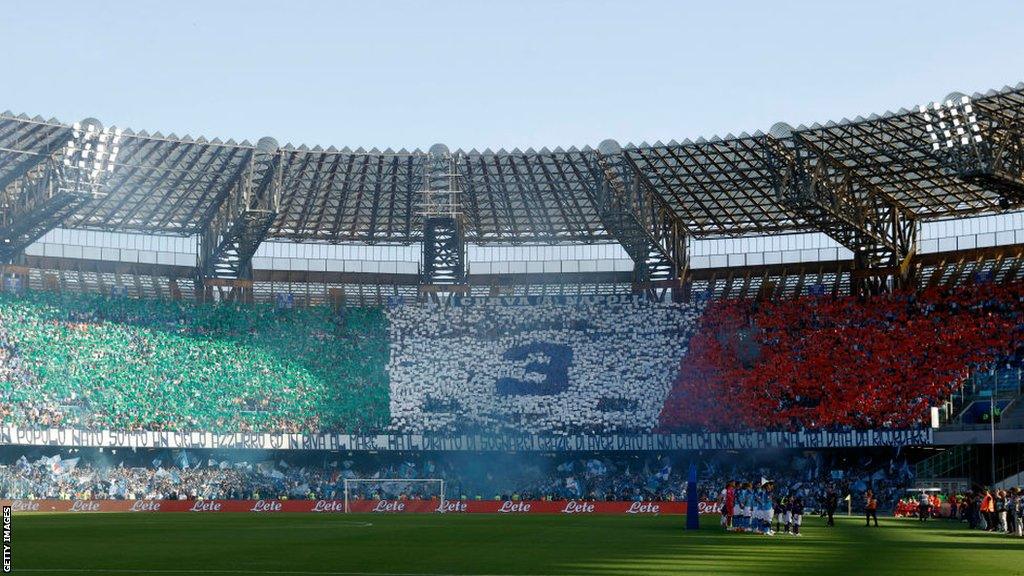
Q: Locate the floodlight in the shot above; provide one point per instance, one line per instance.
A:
(90, 154)
(955, 118)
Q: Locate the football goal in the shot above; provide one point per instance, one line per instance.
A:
(393, 489)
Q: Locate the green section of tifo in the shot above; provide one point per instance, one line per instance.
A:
(120, 363)
(187, 544)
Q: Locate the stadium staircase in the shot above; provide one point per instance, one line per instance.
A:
(230, 239)
(649, 231)
(236, 240)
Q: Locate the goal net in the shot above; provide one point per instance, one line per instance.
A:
(394, 489)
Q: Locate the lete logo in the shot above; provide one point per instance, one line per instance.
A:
(643, 508)
(574, 507)
(510, 506)
(266, 506)
(328, 506)
(24, 506)
(84, 506)
(389, 506)
(709, 507)
(451, 506)
(145, 506)
(205, 506)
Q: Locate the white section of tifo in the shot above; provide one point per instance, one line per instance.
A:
(593, 365)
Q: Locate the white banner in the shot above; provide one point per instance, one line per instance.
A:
(507, 442)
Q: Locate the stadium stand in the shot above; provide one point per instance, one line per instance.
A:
(787, 364)
(96, 362)
(599, 366)
(592, 366)
(655, 476)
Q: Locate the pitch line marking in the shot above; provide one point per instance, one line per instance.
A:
(286, 572)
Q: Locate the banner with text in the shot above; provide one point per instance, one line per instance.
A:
(504, 442)
(361, 506)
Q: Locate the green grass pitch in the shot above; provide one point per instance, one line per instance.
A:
(364, 545)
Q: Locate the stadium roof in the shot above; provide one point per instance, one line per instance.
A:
(719, 187)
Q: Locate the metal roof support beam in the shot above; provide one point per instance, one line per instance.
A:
(444, 226)
(643, 223)
(50, 188)
(40, 206)
(25, 168)
(828, 194)
(989, 151)
(241, 222)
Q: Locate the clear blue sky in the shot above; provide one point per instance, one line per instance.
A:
(494, 74)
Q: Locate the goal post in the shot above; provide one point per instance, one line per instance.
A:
(392, 488)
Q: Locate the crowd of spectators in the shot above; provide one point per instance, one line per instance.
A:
(588, 366)
(596, 365)
(96, 362)
(841, 363)
(91, 474)
(992, 510)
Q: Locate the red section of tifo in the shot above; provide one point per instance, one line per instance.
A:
(786, 365)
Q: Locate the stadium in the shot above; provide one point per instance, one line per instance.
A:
(709, 356)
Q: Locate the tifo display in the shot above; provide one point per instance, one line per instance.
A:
(555, 366)
(542, 368)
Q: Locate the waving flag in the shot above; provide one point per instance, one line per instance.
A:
(664, 473)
